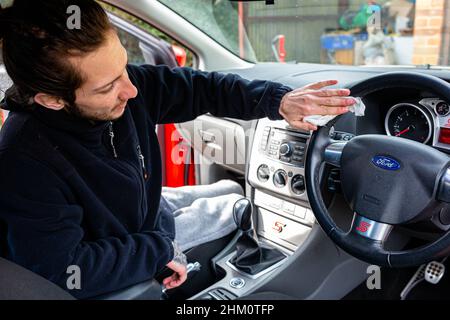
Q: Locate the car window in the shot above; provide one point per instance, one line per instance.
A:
(347, 32)
(5, 83)
(131, 43)
(137, 53)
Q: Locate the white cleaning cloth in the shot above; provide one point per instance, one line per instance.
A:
(358, 109)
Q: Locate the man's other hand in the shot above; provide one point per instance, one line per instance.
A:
(313, 99)
(178, 277)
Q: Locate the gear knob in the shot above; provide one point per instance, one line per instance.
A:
(242, 214)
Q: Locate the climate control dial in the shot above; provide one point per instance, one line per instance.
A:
(263, 173)
(280, 178)
(298, 184)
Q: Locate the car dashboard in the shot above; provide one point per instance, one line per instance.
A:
(276, 166)
(407, 113)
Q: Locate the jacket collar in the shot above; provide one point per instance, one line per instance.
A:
(87, 131)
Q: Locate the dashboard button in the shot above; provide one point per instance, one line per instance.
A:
(288, 207)
(280, 178)
(237, 283)
(347, 137)
(300, 212)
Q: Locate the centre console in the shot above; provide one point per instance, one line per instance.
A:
(277, 174)
(282, 216)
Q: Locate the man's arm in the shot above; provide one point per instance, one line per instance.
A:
(45, 235)
(182, 94)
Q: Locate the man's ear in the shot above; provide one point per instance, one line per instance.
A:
(49, 101)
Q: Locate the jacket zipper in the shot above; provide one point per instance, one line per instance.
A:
(140, 156)
(133, 168)
(142, 159)
(142, 180)
(111, 136)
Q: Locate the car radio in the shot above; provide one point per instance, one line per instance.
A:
(283, 145)
(277, 161)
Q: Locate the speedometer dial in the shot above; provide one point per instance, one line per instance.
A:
(409, 121)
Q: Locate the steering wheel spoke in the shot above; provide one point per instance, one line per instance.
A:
(366, 238)
(370, 229)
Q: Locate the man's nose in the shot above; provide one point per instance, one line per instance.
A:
(129, 92)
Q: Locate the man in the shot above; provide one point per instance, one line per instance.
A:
(80, 163)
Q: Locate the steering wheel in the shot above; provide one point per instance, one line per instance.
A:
(386, 181)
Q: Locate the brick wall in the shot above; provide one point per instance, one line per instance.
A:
(428, 31)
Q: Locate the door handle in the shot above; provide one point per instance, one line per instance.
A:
(207, 137)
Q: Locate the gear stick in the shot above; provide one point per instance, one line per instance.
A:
(242, 214)
(251, 257)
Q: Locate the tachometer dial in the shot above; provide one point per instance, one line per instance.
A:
(409, 121)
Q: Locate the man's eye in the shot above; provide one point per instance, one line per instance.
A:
(109, 89)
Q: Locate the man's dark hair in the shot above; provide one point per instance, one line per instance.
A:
(36, 42)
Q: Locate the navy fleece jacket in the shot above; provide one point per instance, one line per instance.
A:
(77, 193)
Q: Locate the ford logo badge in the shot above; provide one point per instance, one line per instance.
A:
(386, 163)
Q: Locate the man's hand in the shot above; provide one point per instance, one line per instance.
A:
(314, 100)
(178, 277)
